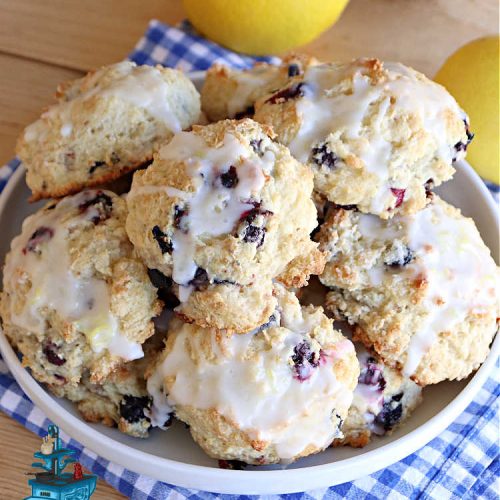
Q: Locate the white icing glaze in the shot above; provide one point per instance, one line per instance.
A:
(273, 406)
(322, 113)
(141, 86)
(368, 399)
(450, 256)
(213, 209)
(248, 84)
(461, 276)
(160, 409)
(82, 301)
(257, 392)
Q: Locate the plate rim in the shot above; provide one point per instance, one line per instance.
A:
(249, 481)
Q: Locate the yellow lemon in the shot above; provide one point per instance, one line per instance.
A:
(263, 27)
(471, 75)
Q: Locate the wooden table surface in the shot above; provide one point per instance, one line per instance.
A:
(45, 42)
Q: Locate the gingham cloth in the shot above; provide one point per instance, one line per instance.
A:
(463, 462)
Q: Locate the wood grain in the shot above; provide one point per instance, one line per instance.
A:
(45, 42)
(21, 444)
(79, 34)
(71, 34)
(82, 35)
(421, 33)
(26, 86)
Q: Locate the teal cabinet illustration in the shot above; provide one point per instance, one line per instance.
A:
(53, 482)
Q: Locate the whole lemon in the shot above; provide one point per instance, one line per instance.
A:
(471, 75)
(261, 27)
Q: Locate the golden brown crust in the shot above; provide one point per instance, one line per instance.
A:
(97, 132)
(237, 309)
(97, 181)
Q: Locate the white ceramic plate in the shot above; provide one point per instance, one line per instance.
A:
(173, 457)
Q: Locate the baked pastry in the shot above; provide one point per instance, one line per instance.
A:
(383, 400)
(377, 135)
(72, 282)
(104, 125)
(119, 400)
(232, 93)
(422, 290)
(269, 396)
(223, 210)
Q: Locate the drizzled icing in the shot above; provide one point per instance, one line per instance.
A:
(211, 209)
(81, 300)
(141, 86)
(257, 392)
(450, 257)
(323, 113)
(248, 85)
(368, 398)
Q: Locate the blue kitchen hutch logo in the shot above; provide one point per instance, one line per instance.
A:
(54, 483)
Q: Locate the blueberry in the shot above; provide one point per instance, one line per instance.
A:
(272, 321)
(462, 146)
(102, 203)
(41, 235)
(401, 260)
(428, 186)
(296, 90)
(400, 196)
(372, 374)
(322, 155)
(179, 214)
(470, 135)
(303, 360)
(250, 111)
(200, 279)
(50, 351)
(95, 166)
(293, 70)
(347, 207)
(229, 179)
(391, 412)
(256, 145)
(162, 239)
(169, 421)
(340, 420)
(132, 408)
(232, 464)
(254, 234)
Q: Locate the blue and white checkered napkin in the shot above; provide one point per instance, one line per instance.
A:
(463, 462)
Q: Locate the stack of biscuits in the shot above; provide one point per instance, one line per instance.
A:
(282, 199)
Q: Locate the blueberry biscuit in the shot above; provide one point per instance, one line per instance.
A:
(74, 292)
(269, 396)
(223, 210)
(422, 289)
(119, 400)
(106, 124)
(383, 400)
(232, 93)
(377, 135)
